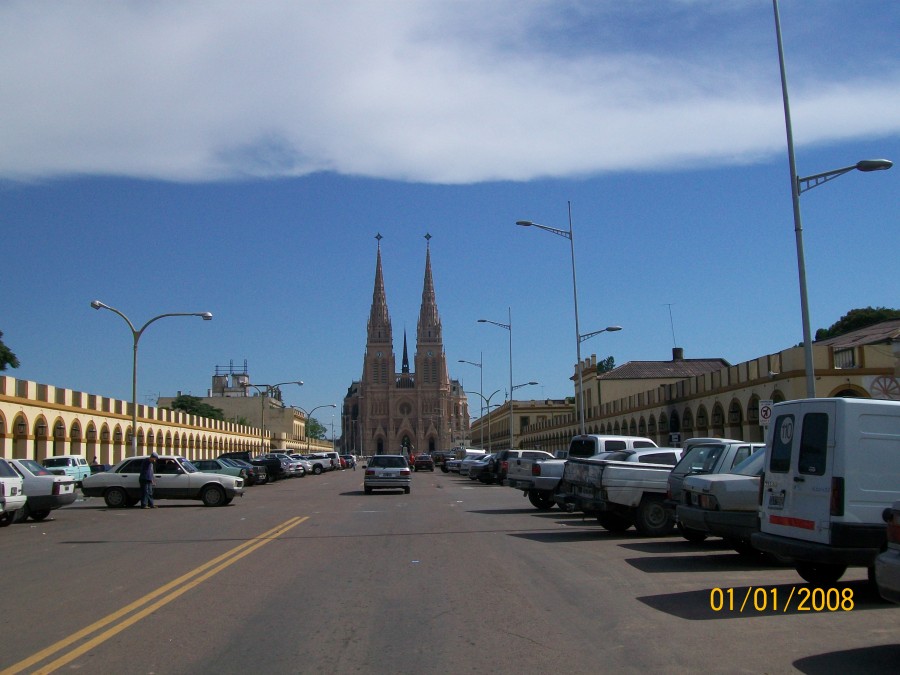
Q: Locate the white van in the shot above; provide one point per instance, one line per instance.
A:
(832, 467)
(73, 466)
(587, 445)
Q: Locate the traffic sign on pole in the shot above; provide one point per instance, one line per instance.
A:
(765, 412)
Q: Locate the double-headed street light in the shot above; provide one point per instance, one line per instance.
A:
(798, 186)
(136, 335)
(582, 338)
(508, 327)
(309, 417)
(579, 338)
(487, 407)
(480, 388)
(265, 390)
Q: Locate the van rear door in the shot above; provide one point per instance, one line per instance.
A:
(797, 495)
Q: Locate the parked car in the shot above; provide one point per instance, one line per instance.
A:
(275, 468)
(485, 469)
(44, 491)
(220, 466)
(350, 460)
(423, 462)
(292, 466)
(506, 457)
(12, 494)
(176, 478)
(723, 504)
(74, 466)
(452, 465)
(320, 462)
(305, 463)
(387, 471)
(335, 460)
(256, 473)
(887, 564)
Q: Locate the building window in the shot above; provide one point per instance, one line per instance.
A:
(845, 358)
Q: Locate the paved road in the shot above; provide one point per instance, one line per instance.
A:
(311, 575)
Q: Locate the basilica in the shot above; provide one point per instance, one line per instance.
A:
(410, 411)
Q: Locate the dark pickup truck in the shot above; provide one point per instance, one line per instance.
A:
(274, 468)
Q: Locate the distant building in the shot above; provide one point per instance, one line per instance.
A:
(410, 411)
(241, 401)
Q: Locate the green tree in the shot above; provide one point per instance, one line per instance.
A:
(314, 429)
(606, 365)
(194, 406)
(856, 319)
(7, 358)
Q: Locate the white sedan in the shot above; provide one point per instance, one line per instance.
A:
(175, 478)
(44, 490)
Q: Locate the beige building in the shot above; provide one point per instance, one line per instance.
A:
(40, 420)
(259, 406)
(661, 398)
(413, 410)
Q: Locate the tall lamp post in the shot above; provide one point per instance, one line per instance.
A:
(487, 406)
(582, 338)
(480, 388)
(798, 186)
(265, 390)
(508, 327)
(136, 335)
(570, 235)
(309, 417)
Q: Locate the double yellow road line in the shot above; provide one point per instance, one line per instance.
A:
(137, 610)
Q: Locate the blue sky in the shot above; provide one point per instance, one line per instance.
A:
(240, 158)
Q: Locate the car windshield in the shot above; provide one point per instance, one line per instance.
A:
(389, 461)
(230, 462)
(6, 471)
(57, 461)
(700, 459)
(613, 456)
(34, 467)
(753, 465)
(188, 467)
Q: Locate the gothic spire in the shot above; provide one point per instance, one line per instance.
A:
(429, 328)
(405, 367)
(379, 319)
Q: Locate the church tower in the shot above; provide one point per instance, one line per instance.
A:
(390, 412)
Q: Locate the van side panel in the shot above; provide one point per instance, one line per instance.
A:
(873, 479)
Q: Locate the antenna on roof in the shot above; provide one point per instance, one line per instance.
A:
(671, 323)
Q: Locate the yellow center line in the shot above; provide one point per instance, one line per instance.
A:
(202, 573)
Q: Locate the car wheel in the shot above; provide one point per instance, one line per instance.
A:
(368, 490)
(820, 574)
(444, 468)
(542, 501)
(613, 522)
(693, 536)
(406, 490)
(115, 498)
(653, 519)
(213, 495)
(227, 501)
(317, 469)
(39, 515)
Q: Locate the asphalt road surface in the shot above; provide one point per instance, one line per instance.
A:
(312, 576)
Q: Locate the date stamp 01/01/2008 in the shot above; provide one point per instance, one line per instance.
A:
(758, 599)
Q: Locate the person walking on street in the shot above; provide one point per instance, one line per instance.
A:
(147, 478)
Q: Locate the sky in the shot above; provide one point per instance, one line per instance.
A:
(240, 158)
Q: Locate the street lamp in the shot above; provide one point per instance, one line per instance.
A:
(570, 235)
(799, 185)
(480, 388)
(518, 386)
(487, 406)
(136, 335)
(582, 338)
(265, 390)
(309, 417)
(507, 326)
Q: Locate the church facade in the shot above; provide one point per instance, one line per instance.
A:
(409, 411)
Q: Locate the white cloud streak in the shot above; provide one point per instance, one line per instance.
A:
(441, 92)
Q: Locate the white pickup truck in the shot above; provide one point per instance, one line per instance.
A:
(538, 478)
(622, 490)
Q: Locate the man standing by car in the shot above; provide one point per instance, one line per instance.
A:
(147, 479)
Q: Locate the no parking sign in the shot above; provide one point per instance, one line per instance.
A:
(765, 412)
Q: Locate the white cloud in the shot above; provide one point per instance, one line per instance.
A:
(424, 91)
